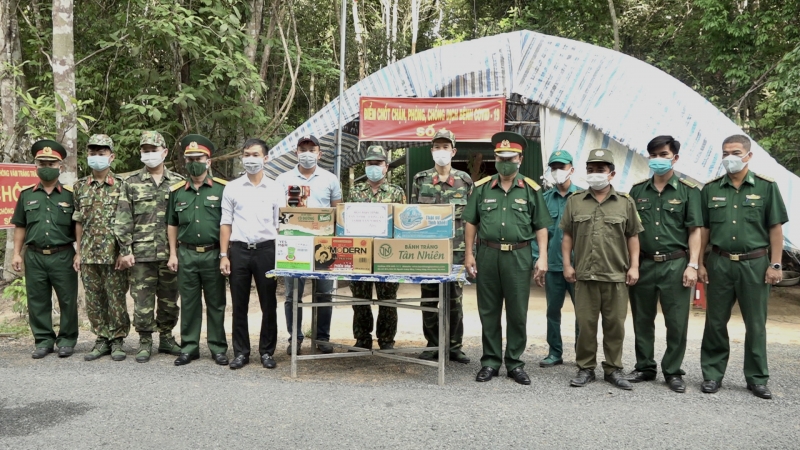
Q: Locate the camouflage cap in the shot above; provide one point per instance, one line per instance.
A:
(152, 138)
(101, 140)
(602, 155)
(375, 153)
(445, 134)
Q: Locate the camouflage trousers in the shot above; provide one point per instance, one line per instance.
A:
(430, 320)
(154, 289)
(106, 304)
(386, 327)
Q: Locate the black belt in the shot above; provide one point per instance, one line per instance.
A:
(503, 247)
(247, 246)
(51, 250)
(665, 256)
(200, 248)
(739, 256)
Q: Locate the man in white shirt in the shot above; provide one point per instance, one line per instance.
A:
(325, 191)
(248, 230)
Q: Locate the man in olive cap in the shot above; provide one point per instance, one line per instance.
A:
(43, 222)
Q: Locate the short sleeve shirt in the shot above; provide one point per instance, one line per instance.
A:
(196, 211)
(324, 186)
(47, 218)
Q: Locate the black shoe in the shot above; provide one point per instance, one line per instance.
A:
(637, 377)
(618, 379)
(41, 352)
(388, 346)
(185, 359)
(367, 344)
(459, 357)
(239, 362)
(299, 349)
(324, 347)
(485, 374)
(65, 352)
(520, 376)
(584, 377)
(221, 359)
(760, 391)
(676, 384)
(268, 362)
(710, 386)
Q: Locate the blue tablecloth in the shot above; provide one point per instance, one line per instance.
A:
(457, 274)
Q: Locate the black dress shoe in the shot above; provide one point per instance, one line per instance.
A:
(65, 352)
(221, 359)
(637, 377)
(185, 359)
(239, 362)
(41, 352)
(299, 349)
(520, 376)
(676, 384)
(389, 346)
(584, 377)
(618, 379)
(268, 362)
(760, 391)
(710, 386)
(486, 373)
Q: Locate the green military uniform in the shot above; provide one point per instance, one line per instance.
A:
(196, 211)
(141, 230)
(49, 234)
(507, 219)
(428, 188)
(667, 217)
(739, 220)
(386, 327)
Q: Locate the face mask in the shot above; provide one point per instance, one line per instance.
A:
(733, 164)
(196, 168)
(48, 173)
(253, 164)
(442, 157)
(152, 159)
(561, 176)
(374, 173)
(307, 160)
(597, 181)
(660, 166)
(506, 168)
(99, 162)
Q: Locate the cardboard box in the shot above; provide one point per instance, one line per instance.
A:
(413, 256)
(364, 219)
(424, 221)
(294, 253)
(343, 254)
(306, 221)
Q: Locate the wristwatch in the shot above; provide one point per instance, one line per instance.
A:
(694, 266)
(223, 255)
(776, 266)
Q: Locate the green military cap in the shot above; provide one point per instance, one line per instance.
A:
(603, 155)
(508, 144)
(560, 156)
(375, 153)
(48, 150)
(445, 134)
(101, 140)
(152, 138)
(195, 144)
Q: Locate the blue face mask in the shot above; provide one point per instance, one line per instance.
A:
(374, 173)
(660, 165)
(99, 162)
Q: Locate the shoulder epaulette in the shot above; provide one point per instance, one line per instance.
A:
(219, 180)
(25, 188)
(716, 179)
(461, 174)
(641, 181)
(764, 177)
(532, 184)
(624, 194)
(421, 174)
(177, 186)
(483, 181)
(688, 183)
(69, 188)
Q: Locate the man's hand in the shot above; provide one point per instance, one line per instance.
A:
(469, 264)
(118, 263)
(225, 266)
(76, 262)
(632, 277)
(702, 275)
(128, 261)
(569, 274)
(689, 277)
(539, 270)
(16, 263)
(773, 276)
(172, 263)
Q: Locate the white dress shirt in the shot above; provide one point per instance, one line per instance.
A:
(252, 210)
(324, 186)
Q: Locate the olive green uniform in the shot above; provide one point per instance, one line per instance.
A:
(667, 217)
(49, 234)
(739, 220)
(510, 217)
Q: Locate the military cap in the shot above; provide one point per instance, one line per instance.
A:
(308, 138)
(508, 144)
(602, 155)
(375, 153)
(152, 138)
(194, 144)
(101, 140)
(445, 134)
(48, 150)
(560, 156)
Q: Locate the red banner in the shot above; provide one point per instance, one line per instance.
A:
(418, 119)
(13, 179)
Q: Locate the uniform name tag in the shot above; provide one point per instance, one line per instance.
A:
(520, 201)
(212, 197)
(642, 200)
(674, 202)
(753, 197)
(63, 204)
(718, 199)
(490, 200)
(182, 204)
(32, 202)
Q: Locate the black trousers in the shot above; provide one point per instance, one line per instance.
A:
(247, 264)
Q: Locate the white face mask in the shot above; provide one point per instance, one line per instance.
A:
(307, 160)
(442, 157)
(253, 164)
(733, 164)
(152, 159)
(561, 176)
(597, 181)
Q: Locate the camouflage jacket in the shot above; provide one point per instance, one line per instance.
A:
(95, 209)
(387, 193)
(427, 189)
(141, 224)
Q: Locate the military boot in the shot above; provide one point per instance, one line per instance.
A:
(100, 349)
(167, 344)
(145, 348)
(117, 353)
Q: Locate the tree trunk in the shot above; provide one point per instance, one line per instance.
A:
(614, 23)
(9, 58)
(64, 81)
(414, 25)
(253, 32)
(359, 33)
(394, 32)
(266, 52)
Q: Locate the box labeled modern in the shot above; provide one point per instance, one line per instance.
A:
(343, 254)
(424, 221)
(306, 221)
(294, 253)
(413, 256)
(364, 219)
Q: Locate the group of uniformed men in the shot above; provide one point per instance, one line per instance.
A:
(163, 235)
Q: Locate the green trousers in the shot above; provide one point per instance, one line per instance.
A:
(430, 320)
(661, 281)
(556, 288)
(199, 276)
(593, 298)
(504, 277)
(729, 281)
(106, 303)
(386, 324)
(43, 274)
